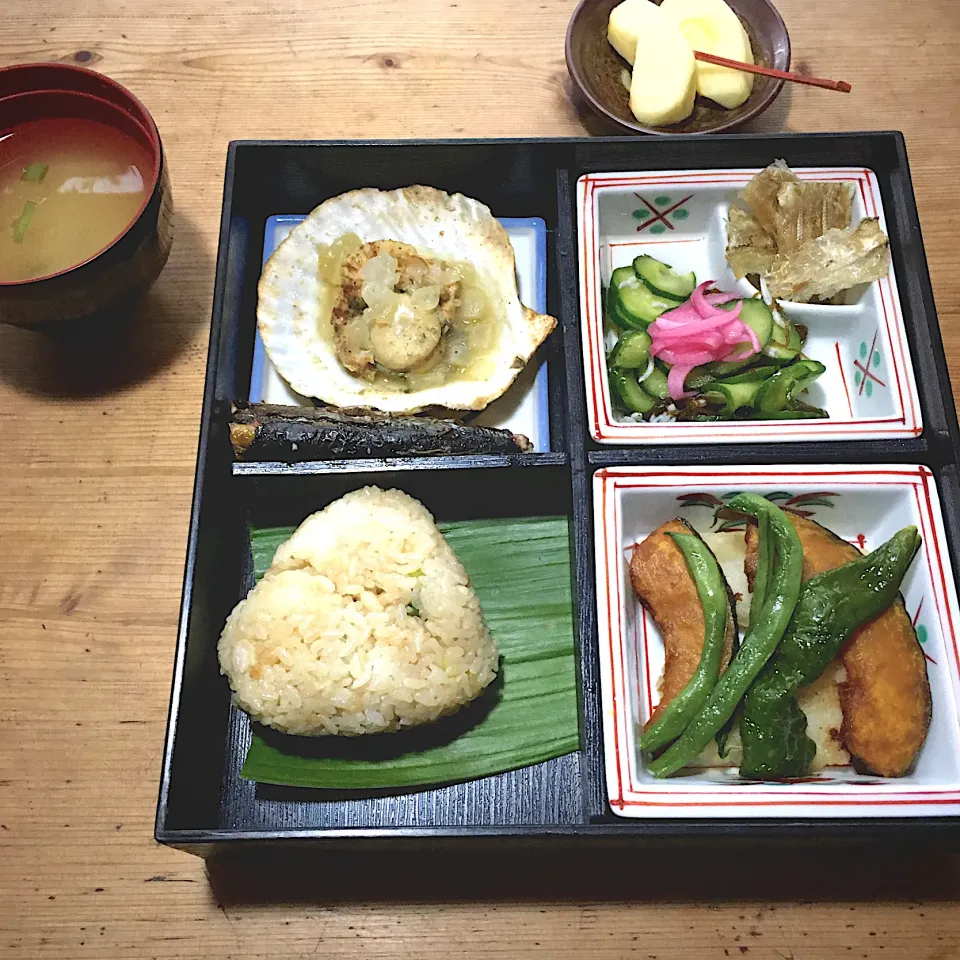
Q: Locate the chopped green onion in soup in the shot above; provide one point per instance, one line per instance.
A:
(22, 223)
(34, 172)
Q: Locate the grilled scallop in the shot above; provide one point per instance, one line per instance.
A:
(400, 301)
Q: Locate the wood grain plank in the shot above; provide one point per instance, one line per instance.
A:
(95, 494)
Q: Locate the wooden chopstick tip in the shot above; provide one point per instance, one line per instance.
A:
(839, 85)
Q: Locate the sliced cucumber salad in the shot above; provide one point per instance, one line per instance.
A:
(631, 304)
(664, 280)
(767, 385)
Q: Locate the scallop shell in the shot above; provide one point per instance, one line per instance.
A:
(448, 227)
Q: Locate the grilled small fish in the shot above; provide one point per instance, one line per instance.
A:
(263, 431)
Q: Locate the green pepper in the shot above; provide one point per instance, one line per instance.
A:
(698, 378)
(777, 392)
(751, 375)
(831, 607)
(793, 413)
(758, 645)
(712, 591)
(740, 390)
(732, 396)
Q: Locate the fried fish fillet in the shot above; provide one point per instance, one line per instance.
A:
(885, 698)
(750, 249)
(836, 261)
(762, 194)
(807, 210)
(798, 234)
(661, 580)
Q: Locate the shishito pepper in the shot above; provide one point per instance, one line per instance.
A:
(776, 394)
(831, 607)
(712, 591)
(782, 591)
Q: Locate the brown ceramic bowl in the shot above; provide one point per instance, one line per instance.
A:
(596, 69)
(110, 283)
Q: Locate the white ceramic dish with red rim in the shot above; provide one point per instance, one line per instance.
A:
(863, 504)
(679, 217)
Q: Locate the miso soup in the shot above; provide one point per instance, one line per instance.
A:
(68, 189)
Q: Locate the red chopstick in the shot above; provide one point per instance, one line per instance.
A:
(840, 85)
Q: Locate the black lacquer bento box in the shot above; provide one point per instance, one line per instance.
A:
(894, 456)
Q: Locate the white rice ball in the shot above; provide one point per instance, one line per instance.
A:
(365, 623)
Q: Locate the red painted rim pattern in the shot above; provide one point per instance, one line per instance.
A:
(627, 791)
(603, 427)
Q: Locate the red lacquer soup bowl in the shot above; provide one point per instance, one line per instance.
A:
(125, 251)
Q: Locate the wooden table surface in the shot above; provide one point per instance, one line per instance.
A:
(96, 467)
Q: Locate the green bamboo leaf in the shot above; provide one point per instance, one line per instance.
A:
(520, 570)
